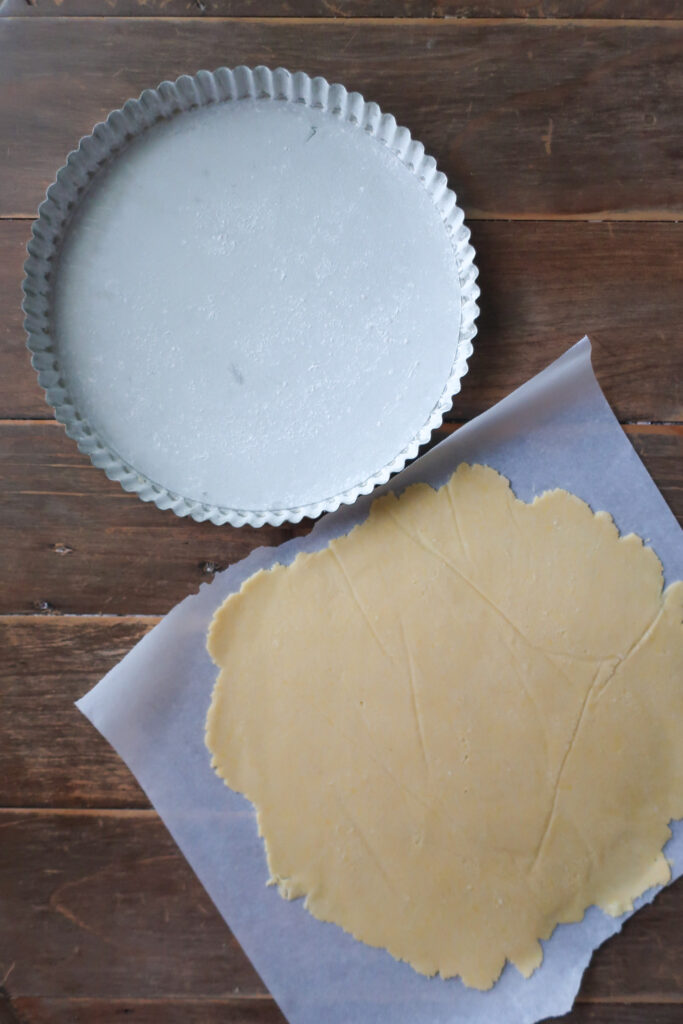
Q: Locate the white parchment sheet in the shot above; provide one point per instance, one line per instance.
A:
(555, 431)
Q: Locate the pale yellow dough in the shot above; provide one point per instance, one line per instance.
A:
(460, 724)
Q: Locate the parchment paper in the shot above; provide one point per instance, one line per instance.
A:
(555, 431)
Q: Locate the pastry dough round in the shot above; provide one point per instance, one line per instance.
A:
(460, 724)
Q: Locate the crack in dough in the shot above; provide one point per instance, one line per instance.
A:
(460, 725)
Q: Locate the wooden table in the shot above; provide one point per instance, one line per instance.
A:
(559, 124)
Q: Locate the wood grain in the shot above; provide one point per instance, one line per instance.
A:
(537, 9)
(544, 285)
(20, 395)
(235, 1010)
(542, 123)
(103, 906)
(620, 1013)
(262, 1010)
(91, 548)
(527, 118)
(50, 755)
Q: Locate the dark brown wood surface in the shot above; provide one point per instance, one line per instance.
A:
(528, 118)
(637, 10)
(559, 124)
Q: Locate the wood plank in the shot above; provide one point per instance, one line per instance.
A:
(91, 548)
(103, 906)
(106, 906)
(543, 284)
(621, 1013)
(86, 533)
(49, 753)
(262, 1010)
(660, 449)
(545, 9)
(253, 1010)
(20, 395)
(526, 117)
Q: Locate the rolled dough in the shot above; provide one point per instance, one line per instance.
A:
(460, 724)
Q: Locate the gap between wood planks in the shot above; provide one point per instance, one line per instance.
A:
(630, 426)
(100, 617)
(482, 216)
(242, 997)
(84, 812)
(437, 20)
